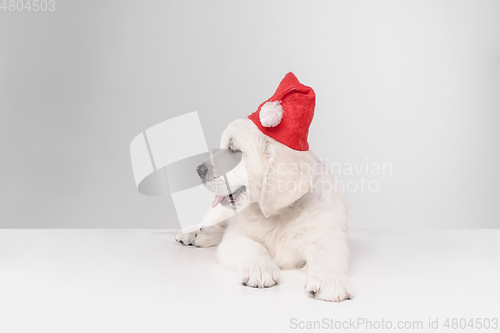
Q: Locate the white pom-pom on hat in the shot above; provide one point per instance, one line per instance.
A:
(270, 114)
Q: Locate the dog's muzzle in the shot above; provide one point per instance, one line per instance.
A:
(212, 173)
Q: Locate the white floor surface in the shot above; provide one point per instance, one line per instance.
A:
(143, 281)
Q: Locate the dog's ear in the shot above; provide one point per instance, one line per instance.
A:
(286, 179)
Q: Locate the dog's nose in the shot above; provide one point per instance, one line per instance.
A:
(202, 170)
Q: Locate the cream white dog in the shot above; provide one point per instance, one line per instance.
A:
(292, 215)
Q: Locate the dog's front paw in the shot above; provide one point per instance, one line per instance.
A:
(329, 286)
(205, 237)
(259, 273)
(208, 237)
(185, 239)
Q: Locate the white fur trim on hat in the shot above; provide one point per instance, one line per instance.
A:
(270, 114)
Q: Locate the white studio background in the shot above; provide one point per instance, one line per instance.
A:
(414, 84)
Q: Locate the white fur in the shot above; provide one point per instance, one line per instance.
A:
(284, 228)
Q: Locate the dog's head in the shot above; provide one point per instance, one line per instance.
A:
(252, 167)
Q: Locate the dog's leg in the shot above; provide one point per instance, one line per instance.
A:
(205, 237)
(327, 269)
(250, 259)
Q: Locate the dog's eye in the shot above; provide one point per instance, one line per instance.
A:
(233, 149)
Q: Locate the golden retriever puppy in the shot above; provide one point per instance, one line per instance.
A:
(290, 212)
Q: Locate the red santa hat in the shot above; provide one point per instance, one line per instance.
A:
(286, 116)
